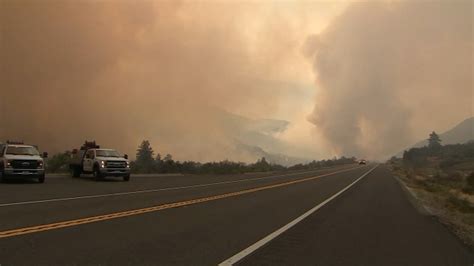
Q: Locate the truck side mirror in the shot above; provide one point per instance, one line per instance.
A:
(125, 156)
(45, 155)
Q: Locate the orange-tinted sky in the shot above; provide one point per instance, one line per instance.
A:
(170, 71)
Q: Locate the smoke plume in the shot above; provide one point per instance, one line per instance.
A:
(390, 72)
(123, 71)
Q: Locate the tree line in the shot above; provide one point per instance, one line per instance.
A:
(147, 162)
(446, 155)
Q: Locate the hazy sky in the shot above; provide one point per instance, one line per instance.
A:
(390, 72)
(343, 74)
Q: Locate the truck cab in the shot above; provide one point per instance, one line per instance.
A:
(91, 159)
(18, 160)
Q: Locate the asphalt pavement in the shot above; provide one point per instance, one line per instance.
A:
(205, 220)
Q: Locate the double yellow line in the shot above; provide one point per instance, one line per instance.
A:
(93, 219)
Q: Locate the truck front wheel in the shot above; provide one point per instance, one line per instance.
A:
(96, 173)
(41, 179)
(126, 178)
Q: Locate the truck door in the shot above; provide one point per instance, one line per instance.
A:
(88, 162)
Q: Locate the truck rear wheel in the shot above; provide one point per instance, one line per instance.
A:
(76, 172)
(2, 177)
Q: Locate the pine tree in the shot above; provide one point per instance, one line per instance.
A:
(434, 142)
(145, 161)
(168, 158)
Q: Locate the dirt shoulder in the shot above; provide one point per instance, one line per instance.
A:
(442, 192)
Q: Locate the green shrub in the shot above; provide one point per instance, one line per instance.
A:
(460, 204)
(470, 180)
(469, 188)
(432, 187)
(58, 162)
(456, 176)
(449, 163)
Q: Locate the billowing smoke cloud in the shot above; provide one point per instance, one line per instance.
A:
(389, 72)
(123, 71)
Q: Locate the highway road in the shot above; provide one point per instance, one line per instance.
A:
(346, 215)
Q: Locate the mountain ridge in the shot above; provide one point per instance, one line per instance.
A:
(460, 133)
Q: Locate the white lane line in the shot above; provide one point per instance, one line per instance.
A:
(244, 253)
(149, 190)
(62, 176)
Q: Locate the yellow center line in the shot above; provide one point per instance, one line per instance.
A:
(98, 218)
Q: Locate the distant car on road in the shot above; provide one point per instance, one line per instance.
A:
(362, 162)
(91, 159)
(18, 160)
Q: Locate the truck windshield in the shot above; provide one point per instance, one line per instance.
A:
(107, 153)
(15, 150)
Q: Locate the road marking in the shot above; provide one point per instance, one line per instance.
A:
(98, 218)
(147, 190)
(244, 253)
(62, 176)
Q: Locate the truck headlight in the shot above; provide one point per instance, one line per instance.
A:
(102, 164)
(128, 164)
(8, 164)
(40, 164)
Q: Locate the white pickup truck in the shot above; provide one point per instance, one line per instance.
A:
(91, 159)
(18, 160)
